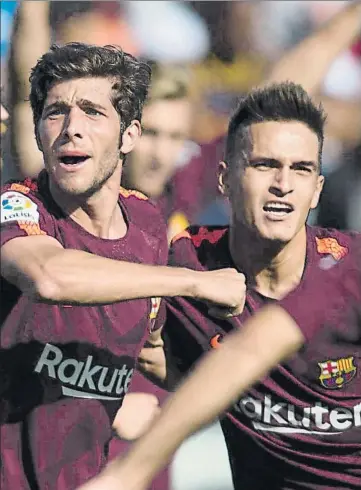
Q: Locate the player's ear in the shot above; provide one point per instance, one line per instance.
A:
(223, 178)
(130, 136)
(318, 190)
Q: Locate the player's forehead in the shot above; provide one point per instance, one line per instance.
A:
(284, 141)
(96, 90)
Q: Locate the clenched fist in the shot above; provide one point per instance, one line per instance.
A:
(224, 289)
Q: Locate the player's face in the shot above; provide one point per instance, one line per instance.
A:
(166, 125)
(274, 191)
(79, 133)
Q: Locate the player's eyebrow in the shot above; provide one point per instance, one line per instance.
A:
(90, 103)
(55, 105)
(306, 163)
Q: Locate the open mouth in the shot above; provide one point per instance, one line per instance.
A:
(73, 160)
(278, 209)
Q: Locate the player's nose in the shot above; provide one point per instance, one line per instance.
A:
(282, 182)
(74, 124)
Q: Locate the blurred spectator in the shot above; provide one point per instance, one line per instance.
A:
(164, 143)
(234, 65)
(168, 32)
(92, 22)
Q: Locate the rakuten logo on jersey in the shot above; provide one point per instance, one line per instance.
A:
(84, 379)
(285, 418)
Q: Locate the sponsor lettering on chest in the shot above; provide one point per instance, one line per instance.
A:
(85, 378)
(285, 418)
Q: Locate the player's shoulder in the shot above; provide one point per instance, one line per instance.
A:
(332, 242)
(201, 235)
(21, 200)
(27, 186)
(143, 212)
(197, 246)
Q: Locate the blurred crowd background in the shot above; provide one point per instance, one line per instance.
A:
(204, 55)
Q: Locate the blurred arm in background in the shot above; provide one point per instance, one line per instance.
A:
(31, 38)
(309, 62)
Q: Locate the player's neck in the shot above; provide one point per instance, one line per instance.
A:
(99, 214)
(270, 268)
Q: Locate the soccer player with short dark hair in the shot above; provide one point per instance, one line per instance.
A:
(275, 333)
(299, 426)
(80, 290)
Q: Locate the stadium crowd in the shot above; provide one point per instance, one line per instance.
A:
(174, 164)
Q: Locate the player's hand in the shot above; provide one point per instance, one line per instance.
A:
(225, 290)
(135, 415)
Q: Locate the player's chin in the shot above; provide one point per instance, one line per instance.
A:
(279, 233)
(73, 187)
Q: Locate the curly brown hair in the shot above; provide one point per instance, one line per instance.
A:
(79, 60)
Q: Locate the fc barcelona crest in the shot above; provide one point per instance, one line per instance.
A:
(335, 374)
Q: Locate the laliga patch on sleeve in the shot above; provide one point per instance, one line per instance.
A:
(17, 207)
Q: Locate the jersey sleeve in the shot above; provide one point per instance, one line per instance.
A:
(182, 252)
(327, 294)
(23, 213)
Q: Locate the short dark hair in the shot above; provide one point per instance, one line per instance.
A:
(79, 60)
(282, 102)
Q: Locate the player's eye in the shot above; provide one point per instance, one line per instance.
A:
(54, 113)
(91, 111)
(263, 165)
(303, 169)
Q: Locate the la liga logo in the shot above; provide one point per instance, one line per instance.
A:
(17, 207)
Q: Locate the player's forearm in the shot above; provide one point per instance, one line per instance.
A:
(74, 276)
(308, 63)
(244, 358)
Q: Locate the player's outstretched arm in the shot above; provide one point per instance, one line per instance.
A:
(245, 357)
(41, 268)
(319, 50)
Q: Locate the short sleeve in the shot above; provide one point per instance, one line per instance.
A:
(327, 294)
(23, 213)
(182, 252)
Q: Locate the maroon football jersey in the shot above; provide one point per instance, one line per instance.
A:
(301, 426)
(65, 369)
